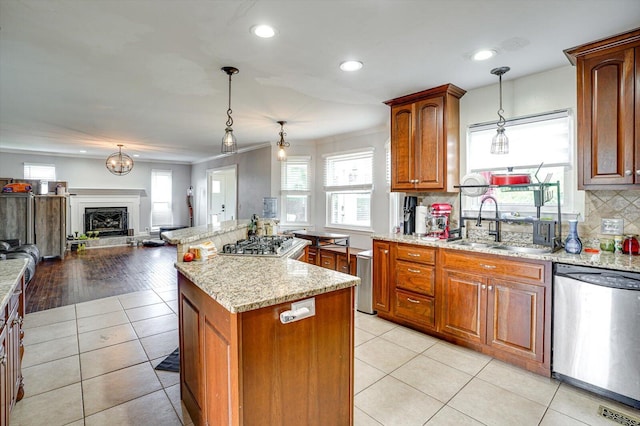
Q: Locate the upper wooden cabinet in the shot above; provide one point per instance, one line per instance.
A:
(608, 72)
(425, 140)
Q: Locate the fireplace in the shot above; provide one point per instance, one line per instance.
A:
(108, 221)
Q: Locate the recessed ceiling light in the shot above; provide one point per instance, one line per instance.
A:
(482, 55)
(263, 31)
(82, 151)
(136, 155)
(351, 65)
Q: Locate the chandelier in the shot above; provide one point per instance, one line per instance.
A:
(229, 145)
(500, 142)
(282, 144)
(118, 163)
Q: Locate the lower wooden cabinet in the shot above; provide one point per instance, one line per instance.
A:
(497, 305)
(248, 368)
(334, 258)
(381, 276)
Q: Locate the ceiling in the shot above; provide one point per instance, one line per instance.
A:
(88, 75)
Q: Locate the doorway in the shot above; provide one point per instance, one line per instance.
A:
(222, 194)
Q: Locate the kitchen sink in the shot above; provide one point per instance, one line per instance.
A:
(517, 249)
(472, 244)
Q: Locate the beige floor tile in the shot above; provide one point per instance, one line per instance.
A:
(457, 357)
(584, 406)
(167, 378)
(410, 339)
(96, 322)
(160, 345)
(76, 423)
(109, 390)
(361, 336)
(97, 307)
(148, 311)
(447, 416)
(173, 305)
(360, 418)
(49, 316)
(140, 298)
(173, 393)
(532, 386)
(50, 351)
(373, 324)
(391, 402)
(152, 409)
(104, 337)
(57, 407)
(432, 377)
(554, 418)
(51, 375)
(383, 355)
(156, 325)
(49, 332)
(365, 375)
(495, 406)
(111, 358)
(168, 294)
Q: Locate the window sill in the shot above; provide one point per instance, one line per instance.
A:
(353, 229)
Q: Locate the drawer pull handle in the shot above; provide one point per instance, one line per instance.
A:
(413, 254)
(326, 262)
(485, 266)
(415, 271)
(413, 300)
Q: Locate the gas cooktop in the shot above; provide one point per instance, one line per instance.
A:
(275, 245)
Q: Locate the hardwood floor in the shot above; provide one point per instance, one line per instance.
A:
(98, 273)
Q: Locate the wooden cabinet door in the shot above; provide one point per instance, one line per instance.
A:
(606, 123)
(5, 402)
(50, 225)
(463, 305)
(515, 318)
(381, 278)
(312, 255)
(429, 144)
(13, 354)
(192, 388)
(402, 148)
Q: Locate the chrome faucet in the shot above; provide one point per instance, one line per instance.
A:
(496, 231)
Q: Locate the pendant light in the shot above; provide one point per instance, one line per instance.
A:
(118, 163)
(281, 144)
(500, 142)
(229, 145)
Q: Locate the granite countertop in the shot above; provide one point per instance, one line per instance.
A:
(196, 233)
(621, 262)
(245, 283)
(10, 272)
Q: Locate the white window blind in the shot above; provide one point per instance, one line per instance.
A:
(161, 198)
(39, 171)
(348, 183)
(295, 189)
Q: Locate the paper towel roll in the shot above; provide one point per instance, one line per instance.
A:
(421, 222)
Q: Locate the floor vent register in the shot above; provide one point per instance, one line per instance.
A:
(618, 417)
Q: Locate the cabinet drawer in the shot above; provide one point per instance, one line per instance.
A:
(328, 260)
(415, 277)
(416, 254)
(415, 308)
(312, 254)
(493, 265)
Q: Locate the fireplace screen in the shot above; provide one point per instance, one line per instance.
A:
(108, 221)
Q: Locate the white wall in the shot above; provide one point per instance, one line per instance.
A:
(92, 173)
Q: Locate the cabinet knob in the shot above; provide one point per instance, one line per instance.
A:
(385, 251)
(638, 172)
(483, 286)
(490, 287)
(627, 173)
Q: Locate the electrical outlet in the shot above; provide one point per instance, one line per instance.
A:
(612, 226)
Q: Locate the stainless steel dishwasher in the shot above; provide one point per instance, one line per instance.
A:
(364, 265)
(596, 331)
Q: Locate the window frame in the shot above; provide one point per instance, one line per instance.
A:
(286, 191)
(356, 189)
(154, 174)
(30, 166)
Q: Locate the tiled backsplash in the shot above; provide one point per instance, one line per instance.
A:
(610, 205)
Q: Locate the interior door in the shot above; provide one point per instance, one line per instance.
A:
(221, 195)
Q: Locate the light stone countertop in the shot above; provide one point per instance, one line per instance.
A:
(196, 233)
(606, 260)
(245, 283)
(10, 272)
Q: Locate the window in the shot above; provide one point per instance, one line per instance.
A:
(295, 190)
(39, 171)
(348, 184)
(541, 139)
(161, 190)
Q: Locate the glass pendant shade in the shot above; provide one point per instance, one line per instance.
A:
(118, 163)
(500, 142)
(282, 154)
(282, 144)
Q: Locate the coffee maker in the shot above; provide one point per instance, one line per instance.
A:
(409, 210)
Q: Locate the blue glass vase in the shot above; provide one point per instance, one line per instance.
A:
(573, 244)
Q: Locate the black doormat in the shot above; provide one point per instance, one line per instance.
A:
(171, 363)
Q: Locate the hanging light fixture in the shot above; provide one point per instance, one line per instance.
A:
(229, 145)
(500, 142)
(281, 144)
(118, 163)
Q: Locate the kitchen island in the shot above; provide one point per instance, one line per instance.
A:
(250, 355)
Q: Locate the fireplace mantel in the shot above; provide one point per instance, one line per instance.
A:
(141, 192)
